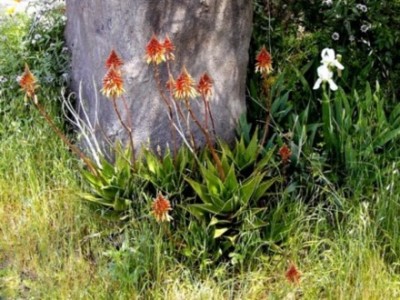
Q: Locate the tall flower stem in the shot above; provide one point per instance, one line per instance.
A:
(327, 120)
(156, 73)
(268, 101)
(127, 128)
(208, 141)
(207, 113)
(62, 136)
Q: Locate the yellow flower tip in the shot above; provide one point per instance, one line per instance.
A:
(184, 87)
(160, 208)
(264, 62)
(10, 10)
(27, 82)
(113, 84)
(155, 51)
(113, 60)
(169, 48)
(204, 86)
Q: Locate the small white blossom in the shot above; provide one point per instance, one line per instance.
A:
(335, 36)
(364, 28)
(325, 75)
(3, 79)
(327, 2)
(329, 59)
(37, 36)
(362, 7)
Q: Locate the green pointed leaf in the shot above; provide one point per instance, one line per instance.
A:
(200, 190)
(386, 137)
(96, 200)
(263, 187)
(231, 182)
(219, 232)
(248, 188)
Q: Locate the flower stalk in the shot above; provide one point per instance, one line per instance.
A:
(28, 83)
(209, 142)
(113, 88)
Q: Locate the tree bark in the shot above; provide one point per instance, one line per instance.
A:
(210, 36)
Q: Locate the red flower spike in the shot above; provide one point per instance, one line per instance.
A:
(184, 86)
(155, 51)
(160, 208)
(264, 62)
(28, 82)
(285, 153)
(292, 274)
(204, 86)
(169, 48)
(114, 61)
(113, 84)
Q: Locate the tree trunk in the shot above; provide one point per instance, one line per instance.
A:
(209, 36)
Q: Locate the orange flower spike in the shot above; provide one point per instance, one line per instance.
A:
(204, 86)
(160, 208)
(28, 82)
(184, 86)
(285, 153)
(113, 60)
(169, 48)
(113, 84)
(155, 51)
(264, 62)
(292, 274)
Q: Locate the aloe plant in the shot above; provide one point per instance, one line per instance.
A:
(113, 186)
(227, 205)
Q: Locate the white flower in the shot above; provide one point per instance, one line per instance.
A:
(3, 79)
(327, 2)
(325, 75)
(362, 7)
(364, 28)
(329, 59)
(335, 36)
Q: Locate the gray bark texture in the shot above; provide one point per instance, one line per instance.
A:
(210, 36)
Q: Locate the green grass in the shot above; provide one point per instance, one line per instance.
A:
(55, 246)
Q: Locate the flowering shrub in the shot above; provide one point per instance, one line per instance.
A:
(362, 31)
(46, 36)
